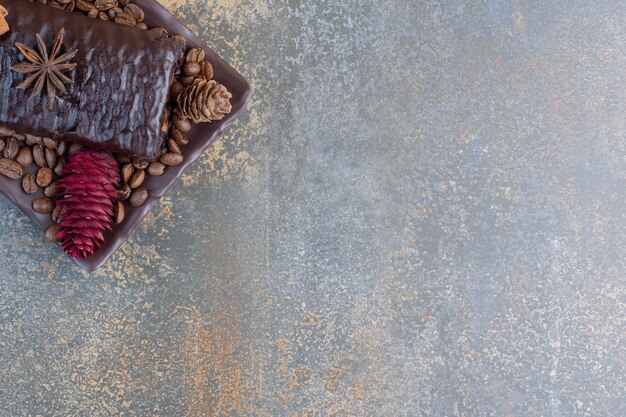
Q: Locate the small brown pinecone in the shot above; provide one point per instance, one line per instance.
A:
(204, 101)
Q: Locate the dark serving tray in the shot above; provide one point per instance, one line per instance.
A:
(200, 138)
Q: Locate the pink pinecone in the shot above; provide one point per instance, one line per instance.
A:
(87, 194)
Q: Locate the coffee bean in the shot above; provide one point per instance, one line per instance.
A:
(182, 40)
(60, 164)
(119, 212)
(105, 4)
(125, 19)
(191, 68)
(159, 33)
(19, 136)
(39, 156)
(138, 197)
(33, 140)
(5, 131)
(51, 190)
(124, 192)
(56, 214)
(11, 149)
(10, 168)
(43, 205)
(141, 25)
(84, 5)
(175, 90)
(50, 143)
(114, 12)
(24, 156)
(103, 16)
(93, 13)
(195, 55)
(182, 124)
(44, 177)
(51, 233)
(136, 11)
(2, 144)
(51, 157)
(187, 79)
(170, 159)
(74, 147)
(156, 169)
(179, 137)
(29, 184)
(172, 146)
(127, 171)
(206, 70)
(139, 164)
(137, 179)
(61, 147)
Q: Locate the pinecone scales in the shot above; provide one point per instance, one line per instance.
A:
(204, 101)
(87, 193)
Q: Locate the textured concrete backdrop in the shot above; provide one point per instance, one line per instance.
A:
(421, 214)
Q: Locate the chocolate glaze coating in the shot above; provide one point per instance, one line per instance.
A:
(200, 138)
(121, 82)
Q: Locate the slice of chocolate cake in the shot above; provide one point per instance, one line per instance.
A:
(111, 87)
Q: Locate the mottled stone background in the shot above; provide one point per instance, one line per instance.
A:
(422, 213)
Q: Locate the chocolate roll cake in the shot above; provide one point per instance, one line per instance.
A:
(106, 85)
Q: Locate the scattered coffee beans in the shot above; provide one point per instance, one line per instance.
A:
(44, 177)
(11, 149)
(138, 197)
(24, 156)
(156, 168)
(43, 205)
(29, 184)
(39, 156)
(51, 233)
(127, 172)
(119, 212)
(51, 190)
(137, 179)
(171, 159)
(51, 157)
(10, 168)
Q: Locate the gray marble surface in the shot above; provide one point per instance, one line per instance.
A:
(420, 214)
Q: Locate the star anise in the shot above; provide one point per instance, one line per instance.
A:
(44, 68)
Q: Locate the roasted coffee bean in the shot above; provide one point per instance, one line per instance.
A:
(187, 80)
(156, 169)
(137, 179)
(51, 157)
(84, 5)
(119, 212)
(160, 32)
(125, 19)
(105, 4)
(136, 11)
(10, 168)
(191, 68)
(182, 124)
(114, 12)
(61, 147)
(69, 7)
(74, 147)
(2, 144)
(171, 159)
(33, 140)
(195, 55)
(60, 164)
(39, 156)
(56, 214)
(24, 156)
(122, 159)
(11, 148)
(103, 16)
(49, 143)
(51, 190)
(44, 177)
(19, 136)
(93, 13)
(182, 40)
(127, 172)
(29, 184)
(141, 25)
(172, 146)
(175, 90)
(5, 131)
(139, 164)
(206, 70)
(179, 137)
(43, 205)
(138, 197)
(124, 192)
(51, 233)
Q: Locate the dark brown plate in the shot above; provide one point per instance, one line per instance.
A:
(200, 138)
